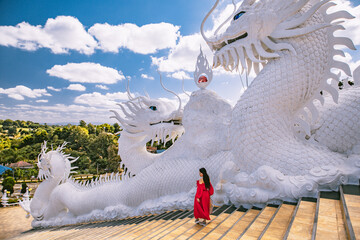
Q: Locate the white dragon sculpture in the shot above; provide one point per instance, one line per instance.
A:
(277, 143)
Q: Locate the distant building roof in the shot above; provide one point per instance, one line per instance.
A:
(3, 169)
(21, 164)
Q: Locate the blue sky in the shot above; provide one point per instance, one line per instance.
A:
(62, 61)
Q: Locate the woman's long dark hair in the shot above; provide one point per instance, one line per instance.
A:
(205, 177)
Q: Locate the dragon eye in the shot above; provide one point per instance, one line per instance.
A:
(237, 16)
(153, 108)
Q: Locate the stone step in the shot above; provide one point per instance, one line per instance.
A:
(138, 227)
(174, 226)
(350, 200)
(255, 229)
(189, 228)
(330, 223)
(153, 226)
(241, 224)
(280, 223)
(223, 227)
(303, 222)
(167, 225)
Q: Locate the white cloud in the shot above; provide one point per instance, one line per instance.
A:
(96, 99)
(183, 55)
(54, 89)
(102, 87)
(76, 87)
(60, 35)
(147, 76)
(57, 113)
(42, 101)
(179, 75)
(20, 92)
(145, 39)
(86, 72)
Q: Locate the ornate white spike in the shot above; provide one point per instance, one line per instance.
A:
(241, 54)
(249, 65)
(356, 75)
(125, 112)
(256, 68)
(250, 54)
(343, 66)
(261, 51)
(342, 41)
(221, 58)
(227, 60)
(294, 8)
(300, 20)
(278, 46)
(303, 113)
(72, 161)
(337, 15)
(304, 125)
(338, 52)
(333, 92)
(215, 61)
(313, 110)
(281, 33)
(132, 107)
(235, 57)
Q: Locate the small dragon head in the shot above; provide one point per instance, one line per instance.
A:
(54, 163)
(255, 31)
(154, 119)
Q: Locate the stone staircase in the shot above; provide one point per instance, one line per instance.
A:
(332, 215)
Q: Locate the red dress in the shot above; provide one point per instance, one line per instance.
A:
(202, 208)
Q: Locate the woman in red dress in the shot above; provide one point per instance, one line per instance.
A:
(202, 198)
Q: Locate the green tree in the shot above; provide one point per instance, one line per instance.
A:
(8, 184)
(82, 123)
(23, 188)
(91, 128)
(7, 123)
(41, 135)
(12, 130)
(117, 127)
(78, 137)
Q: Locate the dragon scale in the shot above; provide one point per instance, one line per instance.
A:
(283, 94)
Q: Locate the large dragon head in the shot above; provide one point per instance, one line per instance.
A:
(255, 31)
(150, 119)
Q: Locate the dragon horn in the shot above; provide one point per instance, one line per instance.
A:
(183, 87)
(230, 17)
(247, 3)
(127, 89)
(207, 40)
(170, 91)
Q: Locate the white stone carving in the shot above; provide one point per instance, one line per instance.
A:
(284, 139)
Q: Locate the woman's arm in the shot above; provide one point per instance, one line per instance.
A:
(211, 190)
(199, 192)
